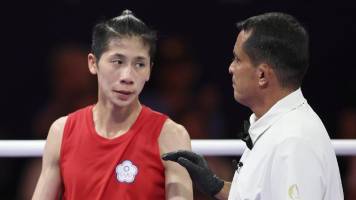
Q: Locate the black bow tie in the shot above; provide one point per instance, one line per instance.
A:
(245, 136)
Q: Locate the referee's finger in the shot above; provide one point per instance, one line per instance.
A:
(190, 166)
(173, 156)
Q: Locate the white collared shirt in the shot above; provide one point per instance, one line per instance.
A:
(292, 157)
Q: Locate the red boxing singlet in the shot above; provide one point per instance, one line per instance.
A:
(127, 167)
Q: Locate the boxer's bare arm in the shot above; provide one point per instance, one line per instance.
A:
(49, 183)
(178, 183)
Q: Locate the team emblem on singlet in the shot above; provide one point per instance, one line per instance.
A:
(126, 172)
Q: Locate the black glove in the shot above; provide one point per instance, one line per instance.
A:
(197, 167)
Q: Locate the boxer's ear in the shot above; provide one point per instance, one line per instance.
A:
(92, 63)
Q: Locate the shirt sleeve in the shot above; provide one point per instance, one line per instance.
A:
(296, 172)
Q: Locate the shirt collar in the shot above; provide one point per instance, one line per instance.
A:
(283, 106)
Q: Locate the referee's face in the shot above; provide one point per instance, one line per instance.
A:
(244, 74)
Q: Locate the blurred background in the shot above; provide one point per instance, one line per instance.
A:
(45, 75)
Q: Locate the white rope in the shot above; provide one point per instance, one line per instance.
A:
(236, 147)
(34, 148)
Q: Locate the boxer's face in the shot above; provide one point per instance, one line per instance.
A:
(122, 70)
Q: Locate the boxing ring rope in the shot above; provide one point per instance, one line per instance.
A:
(34, 148)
